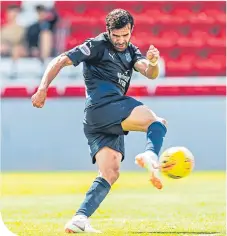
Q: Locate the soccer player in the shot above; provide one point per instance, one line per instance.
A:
(108, 62)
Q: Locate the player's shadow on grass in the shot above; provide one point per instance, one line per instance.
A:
(175, 233)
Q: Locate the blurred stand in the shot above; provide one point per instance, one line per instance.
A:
(191, 36)
(12, 38)
(33, 39)
(33, 71)
(40, 35)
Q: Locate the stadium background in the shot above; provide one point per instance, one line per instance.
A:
(190, 92)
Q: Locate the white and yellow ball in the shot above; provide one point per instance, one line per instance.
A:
(181, 160)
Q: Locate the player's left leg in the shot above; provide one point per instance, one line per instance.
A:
(108, 161)
(143, 119)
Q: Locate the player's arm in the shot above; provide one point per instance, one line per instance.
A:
(149, 66)
(52, 70)
(74, 57)
(146, 69)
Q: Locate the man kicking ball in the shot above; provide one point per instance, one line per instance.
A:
(108, 63)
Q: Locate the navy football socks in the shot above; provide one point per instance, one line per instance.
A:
(155, 135)
(95, 195)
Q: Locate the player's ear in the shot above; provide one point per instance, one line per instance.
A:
(132, 29)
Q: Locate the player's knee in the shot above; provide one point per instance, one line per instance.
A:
(152, 119)
(110, 168)
(112, 172)
(148, 117)
(147, 121)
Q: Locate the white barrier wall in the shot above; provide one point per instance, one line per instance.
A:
(52, 138)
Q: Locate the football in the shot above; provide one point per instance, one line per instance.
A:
(179, 159)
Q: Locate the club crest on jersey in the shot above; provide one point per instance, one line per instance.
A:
(85, 49)
(128, 57)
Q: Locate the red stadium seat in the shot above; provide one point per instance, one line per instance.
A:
(178, 29)
(182, 14)
(216, 42)
(209, 67)
(52, 92)
(190, 90)
(15, 92)
(201, 18)
(138, 91)
(193, 42)
(214, 13)
(220, 59)
(221, 18)
(199, 34)
(74, 91)
(182, 66)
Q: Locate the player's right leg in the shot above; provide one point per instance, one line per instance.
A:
(108, 161)
(143, 119)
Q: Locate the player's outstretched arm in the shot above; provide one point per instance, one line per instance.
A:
(149, 67)
(54, 67)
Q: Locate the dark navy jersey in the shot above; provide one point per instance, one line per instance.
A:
(107, 72)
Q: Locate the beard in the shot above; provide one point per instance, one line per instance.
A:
(117, 46)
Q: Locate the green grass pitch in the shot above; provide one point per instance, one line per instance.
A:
(39, 204)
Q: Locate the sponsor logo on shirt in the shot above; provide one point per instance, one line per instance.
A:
(128, 57)
(123, 79)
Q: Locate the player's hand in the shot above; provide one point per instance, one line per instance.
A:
(38, 99)
(153, 54)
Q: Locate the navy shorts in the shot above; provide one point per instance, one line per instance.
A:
(102, 124)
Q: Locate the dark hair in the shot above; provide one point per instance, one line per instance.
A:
(118, 18)
(40, 8)
(13, 7)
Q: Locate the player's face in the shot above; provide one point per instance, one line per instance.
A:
(12, 14)
(120, 37)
